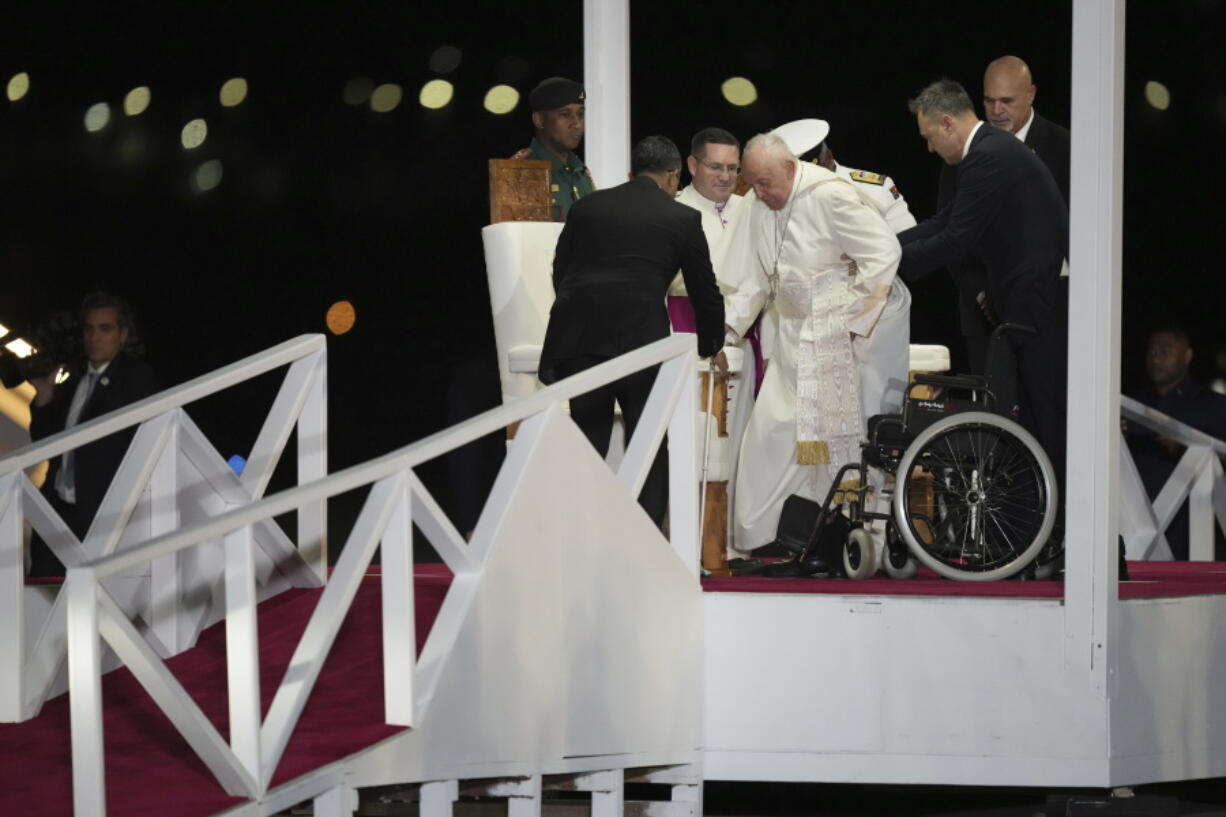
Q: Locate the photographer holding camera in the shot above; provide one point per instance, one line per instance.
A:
(107, 379)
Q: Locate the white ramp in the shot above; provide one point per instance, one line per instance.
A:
(574, 646)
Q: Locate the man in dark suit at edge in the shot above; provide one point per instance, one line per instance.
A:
(616, 256)
(1008, 104)
(108, 379)
(1007, 211)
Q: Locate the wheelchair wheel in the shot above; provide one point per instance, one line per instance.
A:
(859, 554)
(897, 559)
(976, 498)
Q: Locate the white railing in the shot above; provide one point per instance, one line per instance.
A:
(397, 500)
(1197, 478)
(170, 476)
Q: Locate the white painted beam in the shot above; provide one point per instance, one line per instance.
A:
(606, 79)
(1096, 201)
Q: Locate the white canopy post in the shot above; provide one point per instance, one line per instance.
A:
(1096, 204)
(606, 79)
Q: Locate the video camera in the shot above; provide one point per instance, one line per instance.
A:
(57, 341)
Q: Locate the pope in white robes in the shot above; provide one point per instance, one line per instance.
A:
(883, 356)
(805, 226)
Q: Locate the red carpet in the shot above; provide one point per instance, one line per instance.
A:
(151, 771)
(1147, 580)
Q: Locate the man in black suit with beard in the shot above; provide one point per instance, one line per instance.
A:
(108, 379)
(1008, 104)
(1008, 213)
(616, 256)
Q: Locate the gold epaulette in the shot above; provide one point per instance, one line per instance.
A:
(526, 153)
(866, 177)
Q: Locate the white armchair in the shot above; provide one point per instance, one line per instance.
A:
(519, 266)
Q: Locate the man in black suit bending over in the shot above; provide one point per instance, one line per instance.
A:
(616, 256)
(108, 379)
(1008, 212)
(1008, 104)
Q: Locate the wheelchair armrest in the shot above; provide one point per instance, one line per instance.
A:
(952, 381)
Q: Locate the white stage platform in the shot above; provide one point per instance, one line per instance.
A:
(963, 691)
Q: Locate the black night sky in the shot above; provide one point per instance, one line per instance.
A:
(322, 200)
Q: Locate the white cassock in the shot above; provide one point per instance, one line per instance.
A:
(808, 419)
(717, 226)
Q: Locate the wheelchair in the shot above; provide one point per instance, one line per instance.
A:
(974, 495)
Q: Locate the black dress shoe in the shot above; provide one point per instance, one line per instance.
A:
(773, 550)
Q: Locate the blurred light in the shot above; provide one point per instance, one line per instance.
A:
(501, 99)
(97, 116)
(739, 91)
(386, 97)
(511, 69)
(20, 348)
(1157, 95)
(4, 330)
(357, 90)
(237, 463)
(341, 317)
(194, 134)
(445, 59)
(436, 93)
(233, 92)
(137, 100)
(208, 175)
(19, 86)
(1218, 385)
(62, 376)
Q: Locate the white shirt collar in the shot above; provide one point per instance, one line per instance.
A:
(1021, 134)
(970, 137)
(89, 368)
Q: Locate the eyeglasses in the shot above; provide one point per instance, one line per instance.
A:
(714, 168)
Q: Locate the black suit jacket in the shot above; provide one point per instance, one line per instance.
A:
(616, 256)
(125, 381)
(1007, 211)
(1050, 142)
